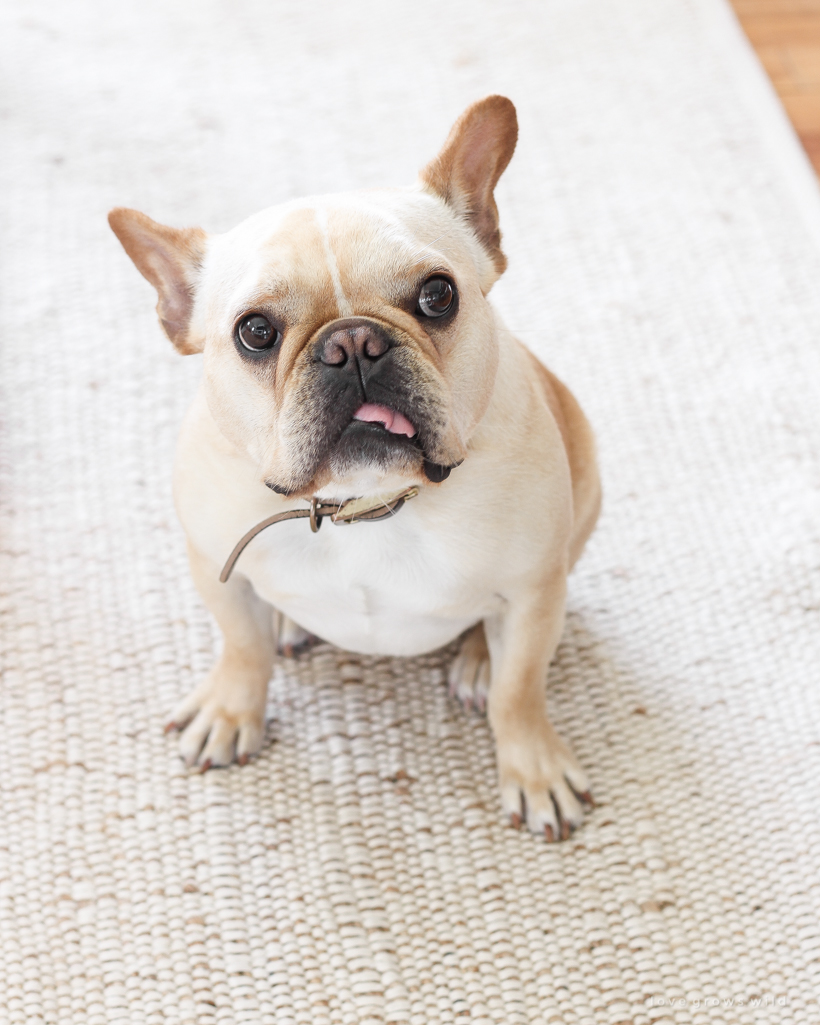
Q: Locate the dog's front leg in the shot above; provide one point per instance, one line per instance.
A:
(224, 717)
(541, 781)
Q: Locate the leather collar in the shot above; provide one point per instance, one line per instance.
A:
(352, 510)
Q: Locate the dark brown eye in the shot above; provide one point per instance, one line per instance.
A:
(436, 297)
(256, 332)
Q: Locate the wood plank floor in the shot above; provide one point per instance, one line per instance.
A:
(786, 36)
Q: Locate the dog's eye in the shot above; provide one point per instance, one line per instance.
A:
(256, 332)
(436, 297)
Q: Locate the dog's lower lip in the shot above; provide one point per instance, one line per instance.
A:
(278, 488)
(438, 472)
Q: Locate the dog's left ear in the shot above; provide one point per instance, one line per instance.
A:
(170, 258)
(466, 171)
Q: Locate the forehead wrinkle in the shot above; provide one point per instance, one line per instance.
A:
(277, 297)
(283, 266)
(379, 253)
(406, 232)
(397, 234)
(257, 287)
(342, 302)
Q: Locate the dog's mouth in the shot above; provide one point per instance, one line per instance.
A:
(376, 436)
(390, 419)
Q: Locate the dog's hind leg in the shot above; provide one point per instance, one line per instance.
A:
(224, 717)
(469, 675)
(291, 639)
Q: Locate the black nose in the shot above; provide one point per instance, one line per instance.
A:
(362, 341)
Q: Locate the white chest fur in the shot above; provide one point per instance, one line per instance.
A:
(401, 586)
(390, 587)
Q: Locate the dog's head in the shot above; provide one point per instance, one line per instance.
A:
(348, 344)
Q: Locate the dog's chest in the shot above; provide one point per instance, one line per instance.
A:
(388, 587)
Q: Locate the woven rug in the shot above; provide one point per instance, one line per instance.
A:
(664, 241)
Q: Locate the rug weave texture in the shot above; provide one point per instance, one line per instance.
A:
(664, 259)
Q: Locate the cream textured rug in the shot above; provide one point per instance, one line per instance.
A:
(664, 240)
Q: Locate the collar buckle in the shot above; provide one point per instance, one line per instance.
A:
(361, 510)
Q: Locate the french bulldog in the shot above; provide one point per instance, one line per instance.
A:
(351, 352)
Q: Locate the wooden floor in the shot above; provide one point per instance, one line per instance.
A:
(786, 36)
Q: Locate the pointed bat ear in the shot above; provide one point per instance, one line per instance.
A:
(466, 171)
(170, 258)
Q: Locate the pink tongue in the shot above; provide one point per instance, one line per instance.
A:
(393, 421)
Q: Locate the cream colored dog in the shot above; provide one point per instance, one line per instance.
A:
(350, 351)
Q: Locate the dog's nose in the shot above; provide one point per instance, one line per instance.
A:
(363, 341)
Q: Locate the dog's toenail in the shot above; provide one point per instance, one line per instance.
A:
(549, 833)
(242, 759)
(205, 766)
(170, 727)
(515, 820)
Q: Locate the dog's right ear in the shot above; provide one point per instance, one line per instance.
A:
(171, 259)
(466, 171)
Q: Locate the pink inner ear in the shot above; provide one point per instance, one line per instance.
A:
(467, 169)
(393, 421)
(170, 258)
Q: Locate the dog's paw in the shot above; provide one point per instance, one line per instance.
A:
(221, 720)
(469, 675)
(541, 781)
(291, 639)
